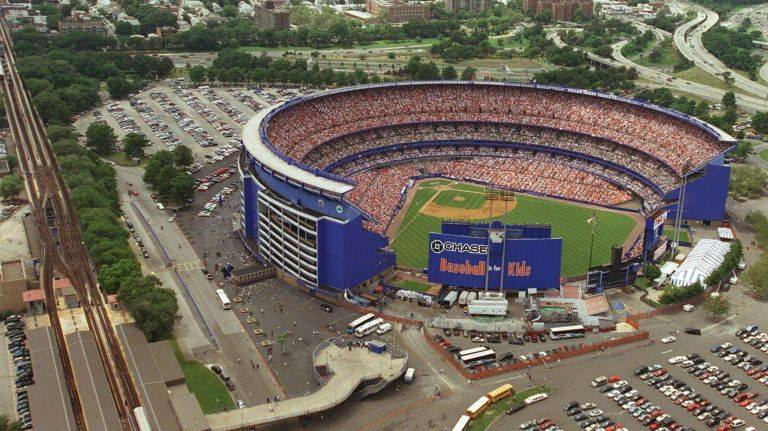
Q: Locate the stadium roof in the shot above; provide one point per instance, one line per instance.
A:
(702, 261)
(257, 143)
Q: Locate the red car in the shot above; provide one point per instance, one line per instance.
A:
(659, 373)
(692, 407)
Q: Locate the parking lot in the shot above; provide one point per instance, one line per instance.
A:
(202, 118)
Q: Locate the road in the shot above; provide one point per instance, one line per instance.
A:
(194, 293)
(692, 48)
(662, 80)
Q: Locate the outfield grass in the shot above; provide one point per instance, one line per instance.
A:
(411, 285)
(208, 388)
(447, 198)
(482, 422)
(568, 221)
(433, 183)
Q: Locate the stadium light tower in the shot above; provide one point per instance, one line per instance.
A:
(680, 205)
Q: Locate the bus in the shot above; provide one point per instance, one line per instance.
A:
(485, 354)
(565, 332)
(471, 351)
(461, 424)
(368, 328)
(360, 321)
(478, 407)
(501, 392)
(223, 300)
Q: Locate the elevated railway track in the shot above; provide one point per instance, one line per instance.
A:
(63, 247)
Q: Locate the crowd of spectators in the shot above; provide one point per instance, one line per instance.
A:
(380, 189)
(529, 161)
(297, 129)
(329, 154)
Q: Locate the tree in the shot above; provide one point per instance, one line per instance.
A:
(155, 308)
(100, 138)
(717, 305)
(756, 278)
(728, 78)
(181, 188)
(197, 74)
(182, 156)
(468, 74)
(651, 272)
(747, 181)
(57, 132)
(7, 425)
(449, 72)
(729, 100)
(119, 88)
(760, 122)
(134, 144)
(702, 109)
(157, 162)
(10, 186)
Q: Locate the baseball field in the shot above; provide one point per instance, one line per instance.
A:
(436, 200)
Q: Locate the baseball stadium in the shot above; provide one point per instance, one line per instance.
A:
(342, 186)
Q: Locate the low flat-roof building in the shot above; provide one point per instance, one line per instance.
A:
(49, 404)
(13, 283)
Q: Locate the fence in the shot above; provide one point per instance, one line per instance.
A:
(583, 349)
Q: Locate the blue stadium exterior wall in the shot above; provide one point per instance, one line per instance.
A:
(347, 254)
(705, 196)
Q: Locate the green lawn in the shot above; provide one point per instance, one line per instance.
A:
(764, 154)
(568, 221)
(482, 422)
(697, 74)
(670, 56)
(208, 388)
(670, 232)
(411, 285)
(452, 198)
(120, 159)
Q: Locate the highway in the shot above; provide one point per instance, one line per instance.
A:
(662, 80)
(63, 245)
(687, 38)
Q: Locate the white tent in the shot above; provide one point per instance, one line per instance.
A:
(702, 261)
(725, 233)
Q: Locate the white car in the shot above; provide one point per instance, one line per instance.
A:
(677, 359)
(667, 340)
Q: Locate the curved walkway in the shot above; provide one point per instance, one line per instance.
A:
(350, 367)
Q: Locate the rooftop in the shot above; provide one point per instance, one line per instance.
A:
(49, 402)
(12, 270)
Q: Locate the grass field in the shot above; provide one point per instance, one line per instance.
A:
(208, 388)
(410, 285)
(568, 221)
(670, 232)
(458, 199)
(482, 422)
(764, 154)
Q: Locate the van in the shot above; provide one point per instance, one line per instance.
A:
(384, 328)
(688, 307)
(408, 377)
